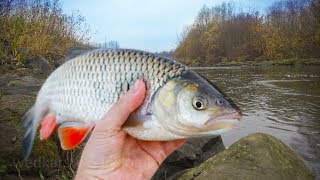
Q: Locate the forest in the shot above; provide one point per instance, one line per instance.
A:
(287, 29)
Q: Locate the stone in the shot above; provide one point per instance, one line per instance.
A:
(19, 87)
(192, 153)
(257, 156)
(16, 103)
(21, 81)
(71, 53)
(4, 79)
(25, 81)
(40, 64)
(26, 85)
(76, 51)
(45, 155)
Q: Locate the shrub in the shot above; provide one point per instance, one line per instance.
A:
(39, 26)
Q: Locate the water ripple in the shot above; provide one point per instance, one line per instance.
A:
(278, 100)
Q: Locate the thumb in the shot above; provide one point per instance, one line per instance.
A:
(121, 110)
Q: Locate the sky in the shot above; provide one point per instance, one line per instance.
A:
(151, 25)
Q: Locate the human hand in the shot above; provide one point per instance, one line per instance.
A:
(110, 153)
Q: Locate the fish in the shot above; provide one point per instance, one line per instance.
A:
(179, 102)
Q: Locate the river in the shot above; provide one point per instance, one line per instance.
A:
(283, 101)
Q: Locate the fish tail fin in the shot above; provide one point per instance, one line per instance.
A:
(31, 121)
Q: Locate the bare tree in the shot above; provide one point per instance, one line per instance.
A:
(111, 45)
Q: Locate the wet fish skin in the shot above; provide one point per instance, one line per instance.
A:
(96, 80)
(85, 87)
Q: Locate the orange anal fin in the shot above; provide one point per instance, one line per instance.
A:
(72, 134)
(48, 126)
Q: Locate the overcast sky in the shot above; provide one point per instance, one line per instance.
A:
(151, 25)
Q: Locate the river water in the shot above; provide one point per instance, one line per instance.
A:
(283, 101)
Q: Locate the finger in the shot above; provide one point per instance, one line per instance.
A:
(120, 111)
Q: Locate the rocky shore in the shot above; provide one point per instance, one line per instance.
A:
(257, 156)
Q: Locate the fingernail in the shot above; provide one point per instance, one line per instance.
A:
(135, 87)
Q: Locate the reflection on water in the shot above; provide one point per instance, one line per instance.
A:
(283, 101)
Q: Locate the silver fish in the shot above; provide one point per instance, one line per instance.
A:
(179, 103)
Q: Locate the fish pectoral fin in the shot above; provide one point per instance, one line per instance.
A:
(48, 126)
(140, 121)
(72, 134)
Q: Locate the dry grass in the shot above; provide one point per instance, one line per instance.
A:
(39, 26)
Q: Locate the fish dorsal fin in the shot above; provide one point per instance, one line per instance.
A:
(72, 134)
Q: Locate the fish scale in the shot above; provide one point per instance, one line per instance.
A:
(179, 103)
(103, 75)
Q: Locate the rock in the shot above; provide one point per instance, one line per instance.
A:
(71, 53)
(45, 155)
(19, 87)
(39, 64)
(25, 81)
(21, 81)
(26, 85)
(26, 52)
(192, 153)
(16, 103)
(3, 168)
(257, 156)
(27, 72)
(76, 51)
(4, 79)
(5, 61)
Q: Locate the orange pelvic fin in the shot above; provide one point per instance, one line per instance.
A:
(72, 134)
(48, 126)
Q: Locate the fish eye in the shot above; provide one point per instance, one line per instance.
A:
(199, 103)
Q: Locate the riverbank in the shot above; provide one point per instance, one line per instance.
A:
(19, 87)
(282, 62)
(278, 100)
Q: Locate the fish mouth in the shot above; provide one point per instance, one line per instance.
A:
(232, 119)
